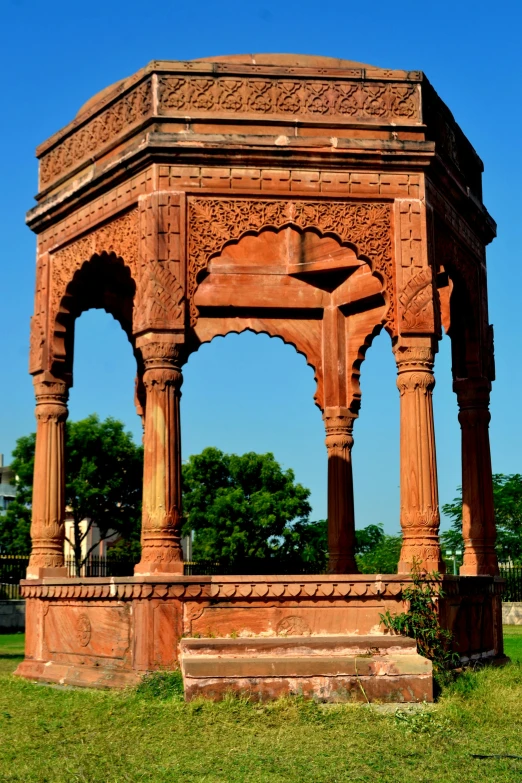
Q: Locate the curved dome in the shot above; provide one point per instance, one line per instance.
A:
(286, 60)
(282, 60)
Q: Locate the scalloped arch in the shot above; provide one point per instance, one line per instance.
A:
(262, 327)
(214, 223)
(103, 282)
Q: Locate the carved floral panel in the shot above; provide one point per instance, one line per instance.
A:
(213, 222)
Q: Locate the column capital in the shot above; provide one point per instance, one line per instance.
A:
(51, 399)
(338, 422)
(472, 393)
(414, 358)
(50, 390)
(414, 368)
(161, 350)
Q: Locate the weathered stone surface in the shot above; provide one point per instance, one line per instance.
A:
(327, 668)
(311, 199)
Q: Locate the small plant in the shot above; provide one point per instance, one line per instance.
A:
(421, 621)
(422, 723)
(162, 685)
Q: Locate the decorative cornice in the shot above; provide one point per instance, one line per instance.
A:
(312, 95)
(262, 589)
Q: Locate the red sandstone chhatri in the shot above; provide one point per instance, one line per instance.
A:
(313, 199)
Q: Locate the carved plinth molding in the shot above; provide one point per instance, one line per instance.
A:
(420, 517)
(213, 222)
(48, 506)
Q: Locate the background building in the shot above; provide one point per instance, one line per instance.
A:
(7, 488)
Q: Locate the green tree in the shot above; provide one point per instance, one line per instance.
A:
(241, 507)
(376, 551)
(15, 524)
(104, 469)
(507, 501)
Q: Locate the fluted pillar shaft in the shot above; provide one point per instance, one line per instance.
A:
(478, 514)
(341, 516)
(162, 516)
(48, 506)
(419, 493)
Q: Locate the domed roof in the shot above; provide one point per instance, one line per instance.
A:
(286, 60)
(267, 60)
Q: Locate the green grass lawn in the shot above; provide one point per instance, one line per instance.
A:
(51, 735)
(513, 642)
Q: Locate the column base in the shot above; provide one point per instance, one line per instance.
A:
(156, 569)
(479, 570)
(479, 560)
(342, 566)
(38, 572)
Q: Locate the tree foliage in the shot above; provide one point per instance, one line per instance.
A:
(15, 524)
(246, 507)
(507, 501)
(103, 469)
(241, 507)
(376, 551)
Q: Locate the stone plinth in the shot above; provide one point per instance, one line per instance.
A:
(108, 632)
(312, 199)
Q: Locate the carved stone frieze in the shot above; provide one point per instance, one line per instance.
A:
(261, 590)
(416, 301)
(159, 298)
(213, 222)
(310, 97)
(119, 237)
(305, 95)
(96, 133)
(37, 342)
(159, 302)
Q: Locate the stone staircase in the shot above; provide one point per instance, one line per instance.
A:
(327, 668)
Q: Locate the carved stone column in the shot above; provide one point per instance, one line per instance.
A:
(341, 516)
(419, 494)
(478, 515)
(161, 520)
(48, 510)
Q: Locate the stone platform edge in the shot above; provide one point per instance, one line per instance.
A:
(242, 586)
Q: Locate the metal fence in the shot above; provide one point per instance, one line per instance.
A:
(100, 566)
(12, 569)
(255, 566)
(513, 588)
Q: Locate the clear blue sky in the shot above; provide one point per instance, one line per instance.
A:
(252, 392)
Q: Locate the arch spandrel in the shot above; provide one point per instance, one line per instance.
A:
(363, 225)
(311, 290)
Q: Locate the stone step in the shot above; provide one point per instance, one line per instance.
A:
(302, 645)
(327, 668)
